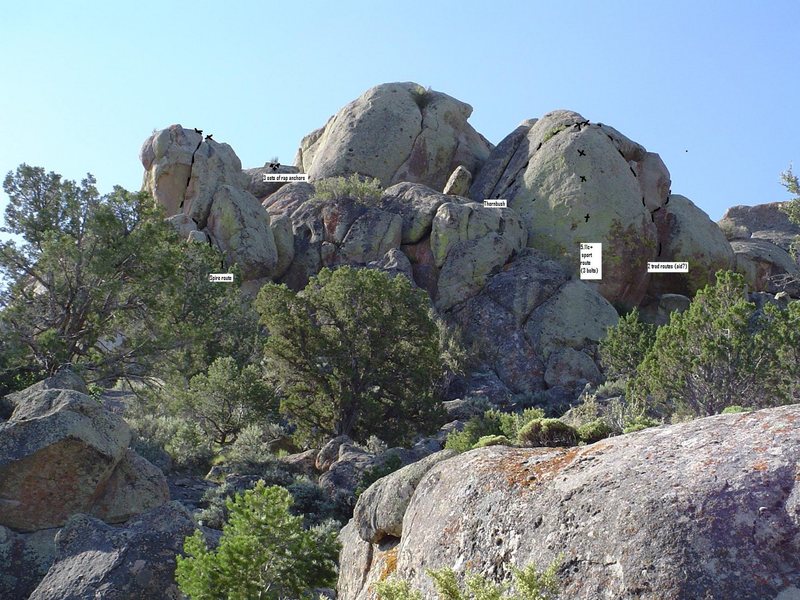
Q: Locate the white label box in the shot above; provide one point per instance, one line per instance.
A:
(668, 267)
(283, 177)
(220, 277)
(495, 203)
(591, 261)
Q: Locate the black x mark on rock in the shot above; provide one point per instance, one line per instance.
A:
(587, 217)
(583, 177)
(275, 166)
(581, 153)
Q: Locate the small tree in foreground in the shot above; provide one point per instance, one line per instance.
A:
(356, 353)
(264, 553)
(626, 345)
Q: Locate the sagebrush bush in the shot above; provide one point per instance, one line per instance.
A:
(250, 453)
(735, 408)
(355, 186)
(639, 423)
(183, 441)
(491, 423)
(492, 440)
(313, 503)
(547, 433)
(594, 431)
(527, 584)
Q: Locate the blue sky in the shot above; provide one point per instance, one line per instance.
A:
(711, 86)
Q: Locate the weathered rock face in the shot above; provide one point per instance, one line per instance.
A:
(203, 180)
(558, 170)
(262, 189)
(705, 509)
(56, 452)
(135, 485)
(658, 311)
(689, 235)
(767, 267)
(62, 453)
(183, 171)
(468, 243)
(396, 132)
(459, 182)
(25, 559)
(380, 509)
(240, 227)
(135, 562)
(764, 221)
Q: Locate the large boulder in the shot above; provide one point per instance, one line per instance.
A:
(468, 243)
(135, 485)
(57, 451)
(574, 317)
(767, 267)
(573, 182)
(263, 189)
(687, 234)
(704, 509)
(763, 221)
(240, 227)
(183, 171)
(362, 564)
(25, 559)
(61, 453)
(396, 132)
(380, 508)
(135, 562)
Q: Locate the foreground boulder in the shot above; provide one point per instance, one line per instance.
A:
(396, 132)
(705, 509)
(62, 453)
(766, 266)
(25, 557)
(135, 562)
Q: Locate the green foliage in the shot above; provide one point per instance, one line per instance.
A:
(250, 453)
(491, 423)
(356, 187)
(594, 431)
(313, 503)
(547, 432)
(625, 345)
(370, 476)
(106, 285)
(492, 440)
(224, 399)
(182, 440)
(355, 353)
(790, 181)
(527, 584)
(639, 423)
(735, 408)
(720, 351)
(264, 552)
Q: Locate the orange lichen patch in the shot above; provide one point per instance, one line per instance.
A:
(760, 466)
(389, 563)
(595, 448)
(523, 475)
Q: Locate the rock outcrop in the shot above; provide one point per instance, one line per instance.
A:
(25, 559)
(767, 267)
(395, 132)
(763, 221)
(62, 453)
(203, 179)
(134, 562)
(687, 234)
(571, 181)
(704, 509)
